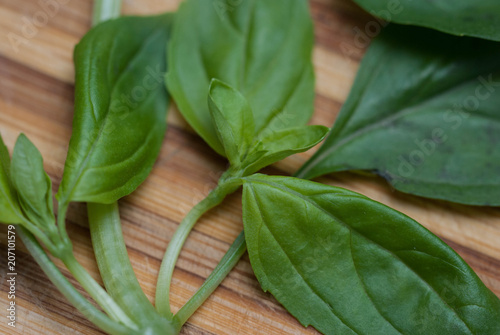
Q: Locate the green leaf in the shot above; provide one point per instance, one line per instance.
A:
(261, 48)
(233, 120)
(247, 150)
(32, 183)
(10, 210)
(275, 146)
(460, 17)
(424, 113)
(346, 264)
(120, 109)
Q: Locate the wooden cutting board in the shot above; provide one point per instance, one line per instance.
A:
(36, 97)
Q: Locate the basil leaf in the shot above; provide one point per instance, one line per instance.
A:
(9, 206)
(262, 48)
(232, 118)
(346, 264)
(460, 17)
(275, 146)
(423, 113)
(120, 109)
(32, 183)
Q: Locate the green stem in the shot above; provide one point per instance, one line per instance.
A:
(114, 264)
(33, 229)
(105, 10)
(227, 263)
(61, 225)
(225, 187)
(96, 291)
(68, 290)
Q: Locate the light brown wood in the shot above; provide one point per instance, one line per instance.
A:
(36, 97)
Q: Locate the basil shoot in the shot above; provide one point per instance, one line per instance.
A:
(463, 17)
(116, 139)
(346, 264)
(223, 55)
(422, 113)
(247, 150)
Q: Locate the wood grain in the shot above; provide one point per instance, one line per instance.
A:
(36, 97)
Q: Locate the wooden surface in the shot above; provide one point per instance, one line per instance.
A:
(36, 97)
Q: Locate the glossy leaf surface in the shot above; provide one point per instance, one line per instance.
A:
(346, 264)
(423, 113)
(459, 17)
(9, 205)
(261, 48)
(32, 183)
(120, 108)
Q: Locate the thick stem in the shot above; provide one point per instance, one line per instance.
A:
(114, 264)
(96, 291)
(227, 263)
(68, 290)
(105, 10)
(225, 187)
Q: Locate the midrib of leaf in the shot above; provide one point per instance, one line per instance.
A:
(449, 183)
(91, 66)
(278, 113)
(366, 129)
(270, 64)
(246, 47)
(352, 230)
(136, 151)
(110, 67)
(334, 313)
(103, 123)
(363, 286)
(338, 126)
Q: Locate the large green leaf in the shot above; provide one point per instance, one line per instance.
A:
(424, 112)
(346, 264)
(10, 211)
(32, 183)
(120, 108)
(262, 48)
(459, 17)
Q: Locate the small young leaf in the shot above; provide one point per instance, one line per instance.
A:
(460, 17)
(262, 48)
(423, 113)
(247, 150)
(232, 118)
(275, 146)
(346, 264)
(33, 185)
(10, 210)
(120, 109)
